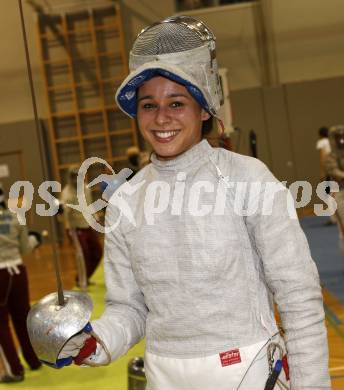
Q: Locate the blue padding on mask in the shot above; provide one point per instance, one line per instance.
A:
(127, 97)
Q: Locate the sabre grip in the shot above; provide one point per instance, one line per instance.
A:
(88, 328)
(272, 379)
(61, 362)
(88, 348)
(86, 351)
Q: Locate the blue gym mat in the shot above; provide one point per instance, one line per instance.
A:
(324, 245)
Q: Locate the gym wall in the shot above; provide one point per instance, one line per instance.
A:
(305, 42)
(20, 153)
(286, 119)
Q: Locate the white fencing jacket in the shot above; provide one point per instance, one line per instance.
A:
(200, 260)
(14, 241)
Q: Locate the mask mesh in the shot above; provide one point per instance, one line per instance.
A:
(166, 38)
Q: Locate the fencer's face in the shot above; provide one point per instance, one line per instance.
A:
(169, 118)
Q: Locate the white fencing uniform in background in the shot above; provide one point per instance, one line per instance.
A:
(334, 166)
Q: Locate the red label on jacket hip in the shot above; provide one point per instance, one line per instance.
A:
(230, 357)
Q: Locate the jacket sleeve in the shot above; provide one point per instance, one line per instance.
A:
(123, 322)
(293, 279)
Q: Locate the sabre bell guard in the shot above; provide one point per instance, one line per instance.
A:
(51, 325)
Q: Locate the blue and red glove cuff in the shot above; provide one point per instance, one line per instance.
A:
(87, 350)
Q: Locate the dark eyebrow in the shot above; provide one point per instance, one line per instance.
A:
(145, 97)
(172, 95)
(177, 95)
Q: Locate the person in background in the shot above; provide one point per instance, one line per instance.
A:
(323, 145)
(14, 294)
(334, 168)
(324, 148)
(137, 159)
(74, 219)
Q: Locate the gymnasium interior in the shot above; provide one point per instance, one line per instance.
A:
(281, 64)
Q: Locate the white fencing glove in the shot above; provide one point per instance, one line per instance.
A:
(85, 348)
(73, 345)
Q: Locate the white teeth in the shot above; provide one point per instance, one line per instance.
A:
(165, 134)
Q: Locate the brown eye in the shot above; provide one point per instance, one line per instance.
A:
(177, 104)
(148, 106)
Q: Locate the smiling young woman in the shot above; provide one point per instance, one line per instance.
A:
(201, 286)
(169, 118)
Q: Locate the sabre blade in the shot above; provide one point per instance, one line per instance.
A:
(56, 261)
